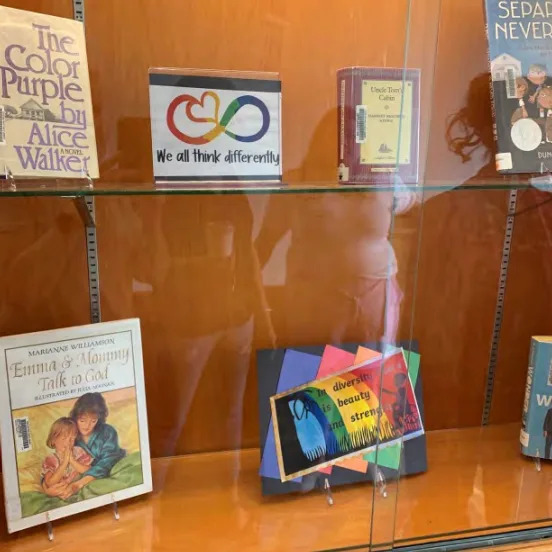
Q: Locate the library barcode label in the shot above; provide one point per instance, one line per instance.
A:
(22, 434)
(510, 83)
(360, 124)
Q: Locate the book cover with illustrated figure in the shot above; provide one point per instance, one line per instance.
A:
(536, 430)
(215, 126)
(378, 125)
(335, 418)
(520, 60)
(73, 421)
(46, 119)
(280, 370)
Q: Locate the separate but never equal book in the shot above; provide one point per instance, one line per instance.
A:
(520, 59)
(46, 119)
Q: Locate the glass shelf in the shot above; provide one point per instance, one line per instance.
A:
(31, 188)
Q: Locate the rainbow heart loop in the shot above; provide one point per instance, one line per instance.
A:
(220, 125)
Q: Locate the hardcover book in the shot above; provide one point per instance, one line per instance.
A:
(378, 125)
(213, 126)
(520, 54)
(280, 371)
(536, 430)
(46, 119)
(73, 421)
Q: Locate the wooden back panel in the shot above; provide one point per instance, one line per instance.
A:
(159, 255)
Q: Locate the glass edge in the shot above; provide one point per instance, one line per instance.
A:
(462, 540)
(20, 190)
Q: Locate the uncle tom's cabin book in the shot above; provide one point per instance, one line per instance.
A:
(46, 120)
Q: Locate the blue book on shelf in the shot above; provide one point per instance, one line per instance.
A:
(520, 62)
(536, 430)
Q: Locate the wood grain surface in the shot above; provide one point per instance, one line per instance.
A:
(160, 257)
(477, 483)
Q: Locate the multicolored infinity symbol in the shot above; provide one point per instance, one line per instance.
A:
(220, 125)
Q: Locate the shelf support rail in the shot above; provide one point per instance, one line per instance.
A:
(499, 308)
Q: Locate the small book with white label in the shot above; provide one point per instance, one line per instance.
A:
(378, 125)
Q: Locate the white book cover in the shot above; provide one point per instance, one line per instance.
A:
(73, 421)
(46, 118)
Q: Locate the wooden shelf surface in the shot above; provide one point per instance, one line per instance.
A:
(476, 480)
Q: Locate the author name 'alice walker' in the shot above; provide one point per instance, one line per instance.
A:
(45, 94)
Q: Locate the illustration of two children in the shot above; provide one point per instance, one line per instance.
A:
(85, 448)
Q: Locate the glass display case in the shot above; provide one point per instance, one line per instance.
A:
(245, 291)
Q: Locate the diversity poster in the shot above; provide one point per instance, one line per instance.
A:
(327, 420)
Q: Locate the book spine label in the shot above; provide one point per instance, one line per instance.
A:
(500, 159)
(525, 419)
(2, 126)
(344, 85)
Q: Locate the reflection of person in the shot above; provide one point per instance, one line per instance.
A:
(67, 462)
(208, 306)
(341, 269)
(459, 283)
(547, 430)
(95, 437)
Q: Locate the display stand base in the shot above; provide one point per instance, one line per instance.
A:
(10, 180)
(50, 527)
(381, 483)
(89, 181)
(328, 492)
(115, 510)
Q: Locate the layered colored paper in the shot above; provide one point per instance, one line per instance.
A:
(337, 417)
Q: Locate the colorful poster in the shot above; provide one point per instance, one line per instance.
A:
(73, 421)
(327, 420)
(212, 128)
